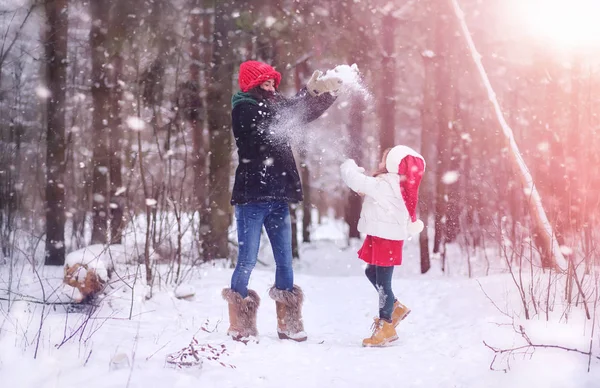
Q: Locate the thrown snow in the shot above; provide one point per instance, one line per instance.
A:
(350, 76)
(289, 126)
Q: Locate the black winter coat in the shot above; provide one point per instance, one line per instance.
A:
(267, 170)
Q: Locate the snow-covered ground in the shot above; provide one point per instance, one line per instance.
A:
(440, 345)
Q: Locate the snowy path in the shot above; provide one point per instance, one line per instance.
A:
(440, 342)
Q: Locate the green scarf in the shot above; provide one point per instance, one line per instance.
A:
(240, 97)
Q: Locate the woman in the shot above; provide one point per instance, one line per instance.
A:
(266, 181)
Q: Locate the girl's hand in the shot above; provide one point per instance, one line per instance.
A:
(380, 171)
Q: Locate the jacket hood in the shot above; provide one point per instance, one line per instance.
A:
(395, 156)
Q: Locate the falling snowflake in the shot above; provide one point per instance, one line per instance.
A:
(135, 123)
(151, 202)
(269, 21)
(42, 92)
(450, 177)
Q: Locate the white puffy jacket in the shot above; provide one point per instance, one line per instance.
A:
(384, 213)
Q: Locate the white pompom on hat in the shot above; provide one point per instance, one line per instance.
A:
(409, 183)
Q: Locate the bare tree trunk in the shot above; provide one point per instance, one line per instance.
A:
(388, 80)
(428, 131)
(445, 119)
(301, 71)
(557, 178)
(307, 201)
(202, 163)
(220, 87)
(117, 201)
(455, 154)
(195, 109)
(294, 220)
(355, 130)
(119, 19)
(99, 11)
(574, 218)
(56, 78)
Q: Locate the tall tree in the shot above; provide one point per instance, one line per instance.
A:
(55, 45)
(300, 74)
(444, 114)
(355, 129)
(428, 131)
(194, 110)
(388, 80)
(118, 31)
(220, 89)
(101, 93)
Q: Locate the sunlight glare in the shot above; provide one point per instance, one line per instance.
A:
(572, 23)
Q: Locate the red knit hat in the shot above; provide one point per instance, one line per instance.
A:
(254, 73)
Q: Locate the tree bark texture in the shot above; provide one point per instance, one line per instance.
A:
(55, 46)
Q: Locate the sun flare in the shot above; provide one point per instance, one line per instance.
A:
(572, 23)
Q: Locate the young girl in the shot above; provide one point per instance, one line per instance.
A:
(388, 217)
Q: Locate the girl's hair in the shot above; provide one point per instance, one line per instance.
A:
(385, 151)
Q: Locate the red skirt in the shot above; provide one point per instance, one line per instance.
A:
(381, 252)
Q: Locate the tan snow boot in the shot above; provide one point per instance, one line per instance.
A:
(383, 333)
(242, 314)
(400, 312)
(289, 313)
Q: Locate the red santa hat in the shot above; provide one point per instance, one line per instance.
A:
(410, 165)
(254, 73)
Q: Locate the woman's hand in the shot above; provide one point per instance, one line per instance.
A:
(318, 84)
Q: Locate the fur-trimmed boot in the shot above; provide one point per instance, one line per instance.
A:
(242, 314)
(289, 313)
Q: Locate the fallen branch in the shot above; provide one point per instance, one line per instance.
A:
(530, 346)
(194, 354)
(492, 302)
(47, 303)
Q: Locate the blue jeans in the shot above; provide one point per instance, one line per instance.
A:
(381, 278)
(251, 217)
